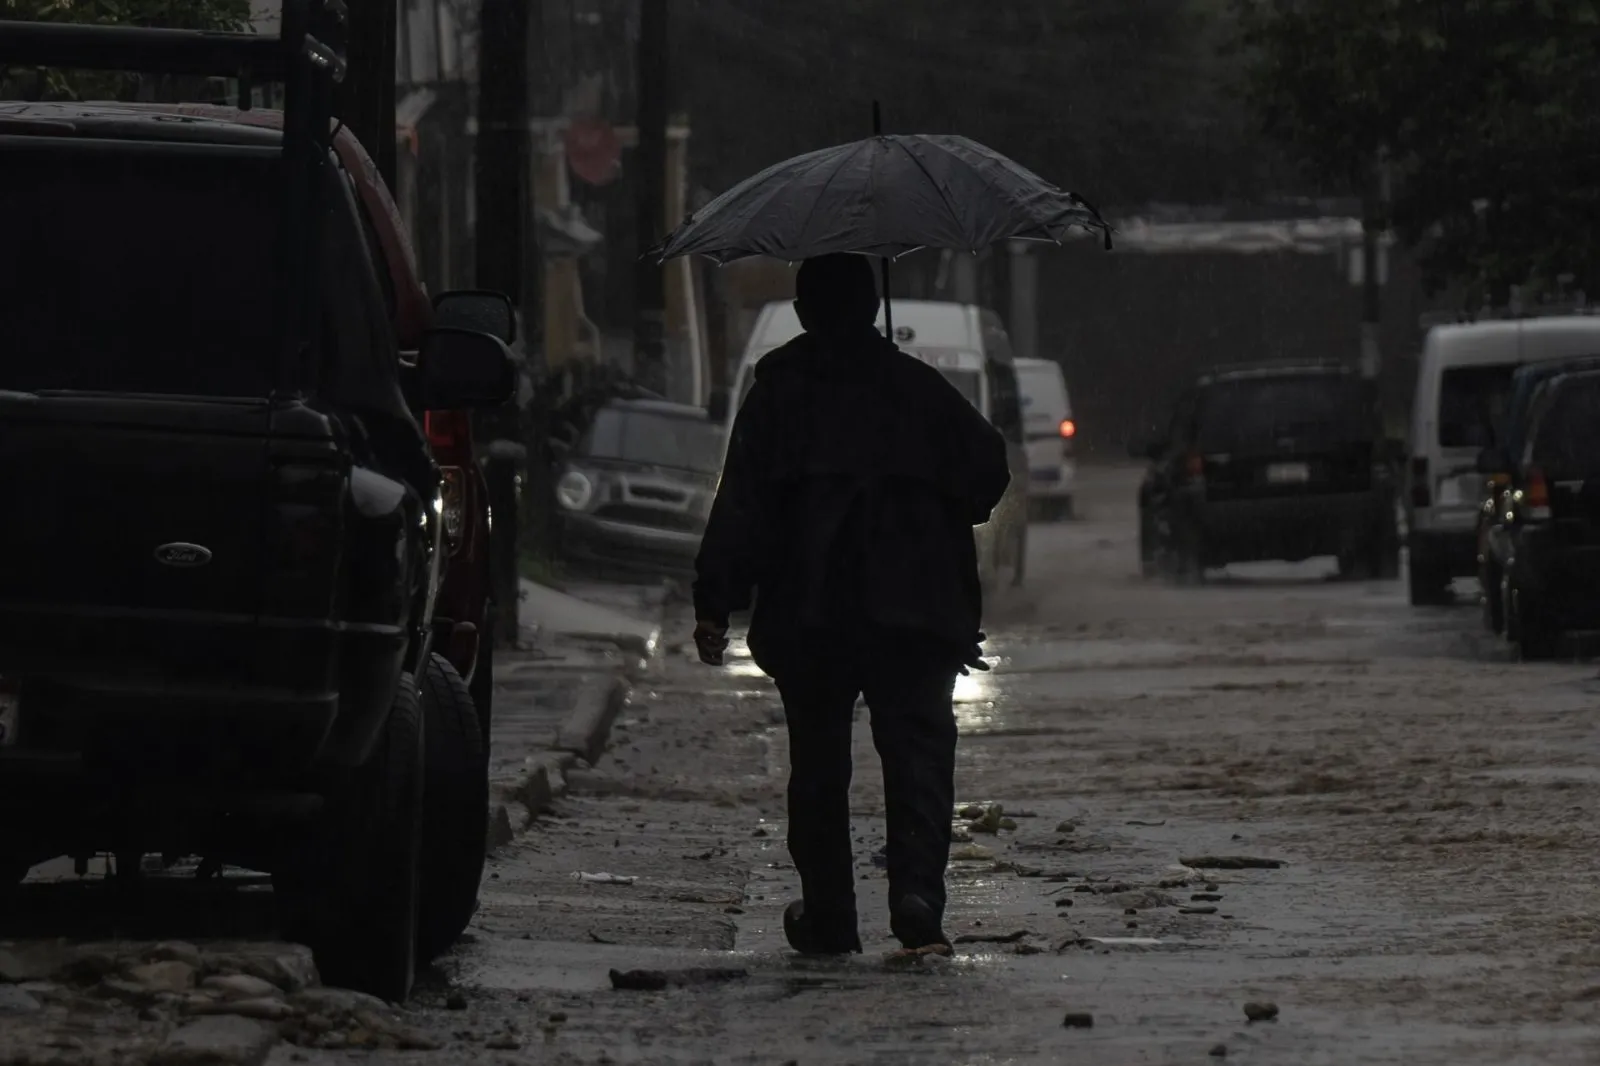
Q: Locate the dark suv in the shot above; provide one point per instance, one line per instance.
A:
(216, 616)
(1546, 545)
(1270, 461)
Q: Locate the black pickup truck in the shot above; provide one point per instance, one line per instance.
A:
(222, 543)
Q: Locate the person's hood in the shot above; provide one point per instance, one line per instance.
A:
(817, 355)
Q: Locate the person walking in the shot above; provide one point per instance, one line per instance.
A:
(855, 474)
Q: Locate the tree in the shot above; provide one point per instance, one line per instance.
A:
(1486, 112)
(77, 85)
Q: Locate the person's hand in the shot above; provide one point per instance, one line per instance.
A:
(711, 641)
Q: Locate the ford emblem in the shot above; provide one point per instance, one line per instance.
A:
(183, 555)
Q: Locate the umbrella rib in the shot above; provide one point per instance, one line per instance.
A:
(805, 227)
(950, 204)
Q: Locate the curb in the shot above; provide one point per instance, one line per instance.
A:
(582, 738)
(543, 780)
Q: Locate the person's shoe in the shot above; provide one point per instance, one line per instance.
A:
(807, 940)
(915, 924)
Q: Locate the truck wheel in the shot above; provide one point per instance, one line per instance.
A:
(1538, 637)
(455, 810)
(483, 676)
(352, 888)
(1494, 608)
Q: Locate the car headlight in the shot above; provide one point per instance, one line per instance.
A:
(575, 491)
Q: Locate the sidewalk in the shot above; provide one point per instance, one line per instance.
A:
(558, 695)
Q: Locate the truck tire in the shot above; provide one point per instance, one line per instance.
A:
(1538, 638)
(1494, 607)
(352, 889)
(455, 810)
(483, 676)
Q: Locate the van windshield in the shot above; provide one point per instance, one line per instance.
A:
(968, 382)
(1472, 405)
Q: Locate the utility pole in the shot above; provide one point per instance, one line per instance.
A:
(650, 162)
(505, 240)
(367, 104)
(1374, 212)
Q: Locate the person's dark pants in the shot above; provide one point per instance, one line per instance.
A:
(909, 696)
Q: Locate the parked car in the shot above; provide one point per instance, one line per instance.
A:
(1270, 461)
(1463, 381)
(1500, 471)
(1548, 541)
(463, 619)
(970, 347)
(635, 491)
(1049, 430)
(222, 643)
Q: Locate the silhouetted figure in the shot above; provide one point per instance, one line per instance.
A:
(854, 476)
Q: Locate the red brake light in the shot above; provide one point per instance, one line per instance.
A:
(1069, 429)
(449, 434)
(1536, 495)
(454, 491)
(1195, 465)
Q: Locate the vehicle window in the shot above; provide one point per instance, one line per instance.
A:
(1568, 435)
(1006, 401)
(139, 272)
(1472, 405)
(655, 439)
(1248, 412)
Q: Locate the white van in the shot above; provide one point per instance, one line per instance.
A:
(1463, 383)
(969, 345)
(1048, 428)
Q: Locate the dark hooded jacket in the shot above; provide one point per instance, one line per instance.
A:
(855, 474)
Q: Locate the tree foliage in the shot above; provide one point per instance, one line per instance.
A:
(1123, 102)
(1487, 112)
(177, 14)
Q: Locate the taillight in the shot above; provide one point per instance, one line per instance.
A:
(1195, 465)
(449, 435)
(454, 492)
(1536, 496)
(1069, 429)
(1421, 490)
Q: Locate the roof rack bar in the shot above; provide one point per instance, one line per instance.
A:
(196, 53)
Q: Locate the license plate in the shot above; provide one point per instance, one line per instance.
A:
(1288, 473)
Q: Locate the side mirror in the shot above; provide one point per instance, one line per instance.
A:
(717, 409)
(1493, 460)
(476, 309)
(462, 368)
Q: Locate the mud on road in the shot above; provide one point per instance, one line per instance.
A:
(1415, 816)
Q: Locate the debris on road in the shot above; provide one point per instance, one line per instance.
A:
(1197, 910)
(1231, 862)
(971, 853)
(992, 938)
(1206, 897)
(657, 980)
(1264, 1011)
(1078, 1019)
(604, 879)
(1219, 1051)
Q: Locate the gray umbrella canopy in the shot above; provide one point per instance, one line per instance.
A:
(886, 195)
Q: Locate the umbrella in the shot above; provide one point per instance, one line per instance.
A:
(885, 196)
